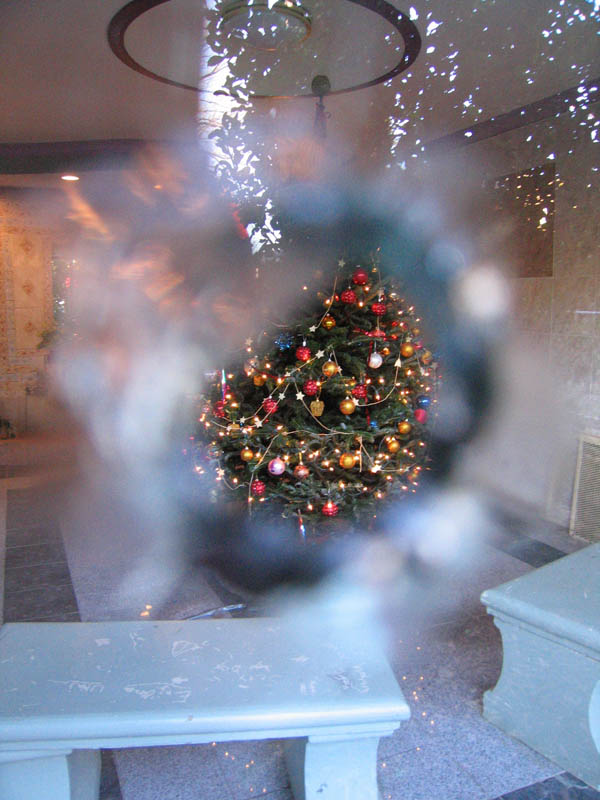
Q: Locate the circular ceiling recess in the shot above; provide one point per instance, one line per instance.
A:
(265, 25)
(281, 46)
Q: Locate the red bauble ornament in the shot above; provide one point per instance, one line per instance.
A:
(421, 415)
(258, 488)
(348, 296)
(360, 277)
(360, 391)
(330, 509)
(301, 471)
(310, 388)
(219, 408)
(379, 309)
(269, 405)
(303, 353)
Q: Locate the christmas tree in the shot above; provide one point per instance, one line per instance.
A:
(328, 414)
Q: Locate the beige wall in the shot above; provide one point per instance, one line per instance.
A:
(552, 356)
(25, 308)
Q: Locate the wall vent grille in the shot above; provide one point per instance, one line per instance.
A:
(585, 511)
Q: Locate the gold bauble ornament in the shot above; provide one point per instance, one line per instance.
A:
(328, 322)
(317, 407)
(329, 368)
(347, 460)
(407, 350)
(247, 454)
(416, 331)
(427, 357)
(348, 406)
(385, 351)
(404, 428)
(393, 445)
(234, 429)
(259, 380)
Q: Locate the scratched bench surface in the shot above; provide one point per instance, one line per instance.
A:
(563, 597)
(211, 675)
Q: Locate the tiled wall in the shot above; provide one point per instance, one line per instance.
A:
(25, 308)
(557, 319)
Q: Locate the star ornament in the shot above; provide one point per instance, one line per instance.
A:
(320, 354)
(397, 363)
(281, 395)
(299, 396)
(312, 328)
(258, 423)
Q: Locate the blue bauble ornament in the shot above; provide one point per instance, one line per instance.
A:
(373, 424)
(284, 341)
(423, 401)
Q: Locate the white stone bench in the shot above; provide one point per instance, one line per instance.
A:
(548, 694)
(69, 689)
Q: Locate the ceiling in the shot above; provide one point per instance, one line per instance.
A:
(479, 59)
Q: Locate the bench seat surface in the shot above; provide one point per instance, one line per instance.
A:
(562, 598)
(122, 679)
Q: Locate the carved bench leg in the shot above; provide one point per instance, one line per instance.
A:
(60, 775)
(333, 768)
(545, 696)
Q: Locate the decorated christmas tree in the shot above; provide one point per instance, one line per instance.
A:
(326, 415)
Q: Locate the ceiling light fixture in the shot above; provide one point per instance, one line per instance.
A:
(69, 177)
(266, 25)
(269, 19)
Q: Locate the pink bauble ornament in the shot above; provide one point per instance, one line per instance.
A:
(276, 466)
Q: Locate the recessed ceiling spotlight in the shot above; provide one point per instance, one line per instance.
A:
(266, 25)
(69, 177)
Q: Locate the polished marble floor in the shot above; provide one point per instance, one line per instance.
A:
(447, 750)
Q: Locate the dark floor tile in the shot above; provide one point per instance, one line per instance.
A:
(48, 603)
(38, 534)
(30, 507)
(109, 779)
(31, 555)
(561, 787)
(531, 551)
(38, 576)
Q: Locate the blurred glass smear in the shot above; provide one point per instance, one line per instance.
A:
(171, 289)
(193, 251)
